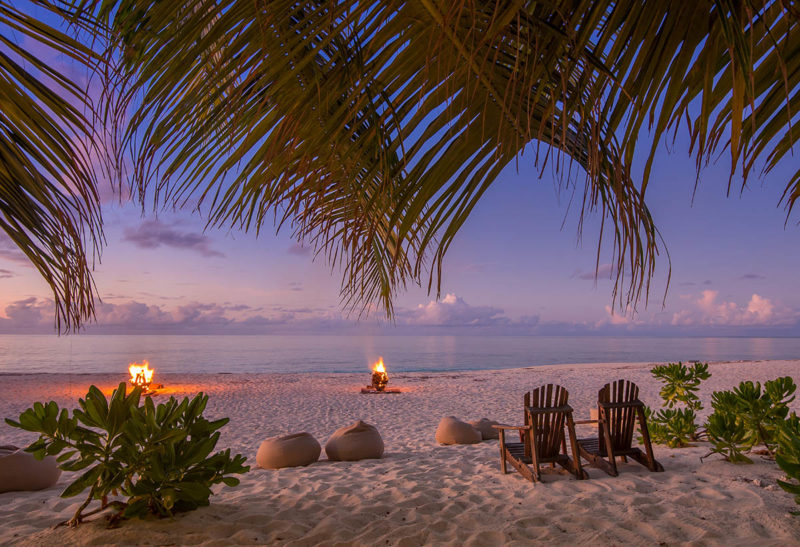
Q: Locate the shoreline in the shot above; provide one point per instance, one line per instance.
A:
(421, 492)
(558, 366)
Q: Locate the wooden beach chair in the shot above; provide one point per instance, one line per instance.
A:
(547, 415)
(618, 408)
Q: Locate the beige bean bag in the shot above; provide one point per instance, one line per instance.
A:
(20, 470)
(359, 441)
(451, 430)
(288, 451)
(484, 425)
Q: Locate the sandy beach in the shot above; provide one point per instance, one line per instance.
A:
(420, 492)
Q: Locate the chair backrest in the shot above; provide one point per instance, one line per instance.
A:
(620, 401)
(548, 425)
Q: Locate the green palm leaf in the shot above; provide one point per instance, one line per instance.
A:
(372, 129)
(48, 198)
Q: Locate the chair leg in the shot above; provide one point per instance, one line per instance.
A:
(575, 462)
(651, 464)
(612, 465)
(534, 456)
(503, 452)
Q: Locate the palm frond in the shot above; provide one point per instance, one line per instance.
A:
(48, 198)
(374, 128)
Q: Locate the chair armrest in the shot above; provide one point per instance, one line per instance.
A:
(517, 427)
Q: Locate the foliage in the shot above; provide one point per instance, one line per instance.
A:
(159, 457)
(48, 184)
(727, 436)
(681, 383)
(749, 416)
(674, 427)
(677, 427)
(788, 455)
(373, 129)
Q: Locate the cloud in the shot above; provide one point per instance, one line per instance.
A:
(452, 310)
(5, 274)
(29, 314)
(152, 234)
(32, 315)
(298, 250)
(617, 318)
(708, 310)
(296, 286)
(604, 271)
(752, 276)
(12, 253)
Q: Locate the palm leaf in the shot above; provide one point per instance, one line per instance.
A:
(48, 199)
(372, 129)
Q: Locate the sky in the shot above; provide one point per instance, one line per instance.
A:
(517, 267)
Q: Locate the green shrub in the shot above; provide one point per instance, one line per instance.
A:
(681, 383)
(748, 416)
(676, 426)
(159, 457)
(788, 455)
(727, 437)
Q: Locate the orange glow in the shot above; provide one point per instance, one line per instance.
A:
(141, 373)
(378, 367)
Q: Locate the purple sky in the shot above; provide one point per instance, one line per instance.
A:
(513, 269)
(516, 267)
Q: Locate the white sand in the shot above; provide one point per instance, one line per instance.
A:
(422, 493)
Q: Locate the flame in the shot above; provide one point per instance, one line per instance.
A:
(141, 373)
(378, 367)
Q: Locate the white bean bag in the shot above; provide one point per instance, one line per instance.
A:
(451, 430)
(20, 470)
(359, 441)
(288, 451)
(484, 425)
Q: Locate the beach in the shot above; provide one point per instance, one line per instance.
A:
(421, 492)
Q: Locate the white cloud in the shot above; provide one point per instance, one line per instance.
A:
(452, 310)
(707, 310)
(617, 318)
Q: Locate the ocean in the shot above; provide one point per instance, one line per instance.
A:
(331, 354)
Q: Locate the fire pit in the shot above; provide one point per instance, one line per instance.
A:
(379, 376)
(379, 380)
(142, 376)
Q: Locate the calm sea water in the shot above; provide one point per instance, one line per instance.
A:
(88, 354)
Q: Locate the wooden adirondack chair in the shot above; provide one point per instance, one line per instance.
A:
(547, 414)
(619, 408)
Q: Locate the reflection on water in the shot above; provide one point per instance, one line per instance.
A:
(91, 354)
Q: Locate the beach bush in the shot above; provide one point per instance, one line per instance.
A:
(749, 416)
(158, 457)
(674, 427)
(676, 424)
(788, 455)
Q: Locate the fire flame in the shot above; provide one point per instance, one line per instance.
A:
(141, 373)
(379, 376)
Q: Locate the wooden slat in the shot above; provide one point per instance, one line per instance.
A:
(547, 414)
(619, 410)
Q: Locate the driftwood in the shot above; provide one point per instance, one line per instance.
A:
(370, 390)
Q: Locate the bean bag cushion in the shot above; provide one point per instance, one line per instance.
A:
(484, 425)
(451, 430)
(20, 470)
(359, 441)
(288, 451)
